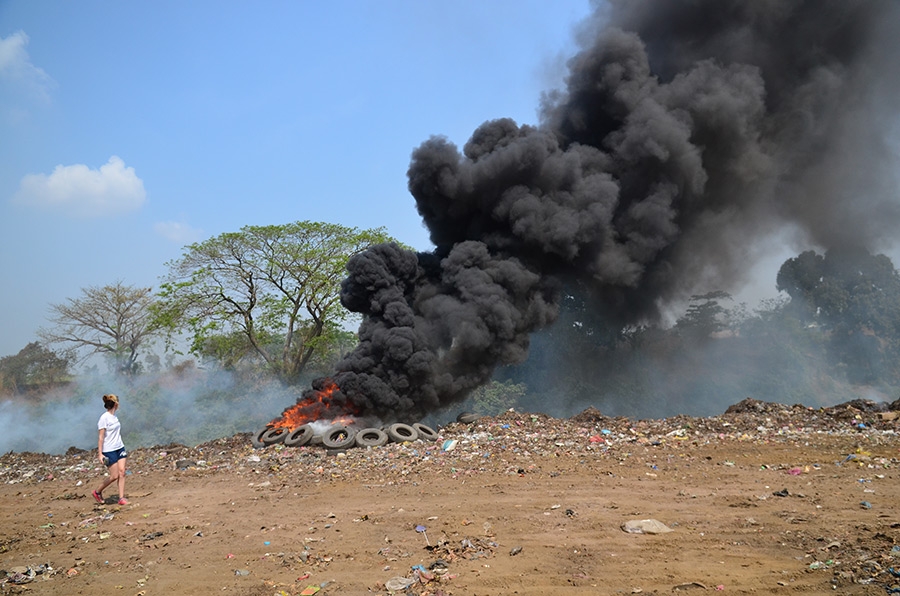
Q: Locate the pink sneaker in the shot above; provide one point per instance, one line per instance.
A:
(97, 496)
(123, 501)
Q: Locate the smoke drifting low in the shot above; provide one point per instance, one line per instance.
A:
(688, 132)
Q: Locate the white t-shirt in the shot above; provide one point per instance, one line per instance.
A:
(112, 440)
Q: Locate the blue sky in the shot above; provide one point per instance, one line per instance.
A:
(130, 130)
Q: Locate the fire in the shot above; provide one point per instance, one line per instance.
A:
(316, 405)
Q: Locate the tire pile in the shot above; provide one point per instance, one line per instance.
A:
(342, 437)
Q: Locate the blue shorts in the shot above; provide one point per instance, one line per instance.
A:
(114, 456)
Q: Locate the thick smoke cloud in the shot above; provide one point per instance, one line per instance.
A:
(687, 132)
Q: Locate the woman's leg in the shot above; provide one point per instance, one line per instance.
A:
(109, 479)
(120, 476)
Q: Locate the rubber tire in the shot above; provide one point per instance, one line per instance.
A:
(467, 417)
(256, 438)
(274, 435)
(426, 433)
(331, 438)
(399, 432)
(299, 437)
(371, 437)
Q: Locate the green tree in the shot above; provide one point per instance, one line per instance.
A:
(114, 321)
(855, 296)
(496, 397)
(270, 293)
(33, 366)
(705, 315)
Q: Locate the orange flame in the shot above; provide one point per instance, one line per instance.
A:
(314, 406)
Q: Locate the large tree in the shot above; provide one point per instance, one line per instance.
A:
(704, 316)
(114, 321)
(855, 296)
(265, 292)
(33, 366)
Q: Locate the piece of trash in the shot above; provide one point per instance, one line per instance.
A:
(20, 575)
(421, 530)
(395, 584)
(150, 536)
(449, 445)
(242, 572)
(645, 526)
(689, 586)
(782, 493)
(865, 505)
(795, 471)
(309, 590)
(514, 551)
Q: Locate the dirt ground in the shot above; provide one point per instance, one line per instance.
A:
(765, 499)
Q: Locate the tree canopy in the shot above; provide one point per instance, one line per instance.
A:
(705, 315)
(265, 292)
(33, 366)
(855, 296)
(114, 321)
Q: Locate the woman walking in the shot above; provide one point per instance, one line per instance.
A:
(111, 449)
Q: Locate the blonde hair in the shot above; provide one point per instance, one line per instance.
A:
(110, 400)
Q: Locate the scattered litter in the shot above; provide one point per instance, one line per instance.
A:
(20, 575)
(510, 443)
(395, 584)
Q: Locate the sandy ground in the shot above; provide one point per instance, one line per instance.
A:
(775, 502)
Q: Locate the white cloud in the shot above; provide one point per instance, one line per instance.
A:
(17, 71)
(178, 232)
(79, 191)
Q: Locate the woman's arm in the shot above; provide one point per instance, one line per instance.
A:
(102, 434)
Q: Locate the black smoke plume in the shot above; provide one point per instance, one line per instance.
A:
(688, 132)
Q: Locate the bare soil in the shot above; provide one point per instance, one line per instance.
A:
(766, 499)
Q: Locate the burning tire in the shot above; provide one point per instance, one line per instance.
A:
(256, 439)
(273, 436)
(299, 437)
(426, 433)
(371, 437)
(400, 432)
(338, 437)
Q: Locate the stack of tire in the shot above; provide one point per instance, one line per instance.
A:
(339, 436)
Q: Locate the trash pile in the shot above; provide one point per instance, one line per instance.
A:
(512, 443)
